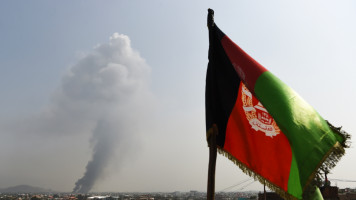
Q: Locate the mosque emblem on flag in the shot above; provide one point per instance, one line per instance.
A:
(257, 115)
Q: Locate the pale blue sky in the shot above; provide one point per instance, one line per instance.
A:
(310, 45)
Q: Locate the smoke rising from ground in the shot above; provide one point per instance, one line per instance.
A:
(105, 94)
(111, 85)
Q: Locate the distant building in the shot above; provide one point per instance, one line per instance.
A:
(269, 196)
(146, 197)
(100, 198)
(330, 192)
(347, 196)
(193, 193)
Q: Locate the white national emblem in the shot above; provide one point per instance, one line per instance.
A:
(257, 115)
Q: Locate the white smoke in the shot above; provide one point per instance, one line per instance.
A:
(111, 80)
(108, 87)
(105, 94)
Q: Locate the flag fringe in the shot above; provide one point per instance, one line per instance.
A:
(256, 176)
(326, 164)
(330, 159)
(342, 133)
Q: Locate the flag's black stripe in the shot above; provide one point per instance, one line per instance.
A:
(222, 84)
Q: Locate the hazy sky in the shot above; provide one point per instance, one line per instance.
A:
(62, 63)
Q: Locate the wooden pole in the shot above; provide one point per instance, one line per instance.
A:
(212, 132)
(264, 191)
(212, 162)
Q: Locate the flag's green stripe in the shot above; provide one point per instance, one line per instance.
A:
(316, 195)
(309, 135)
(294, 186)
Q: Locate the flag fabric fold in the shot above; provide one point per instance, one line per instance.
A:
(263, 125)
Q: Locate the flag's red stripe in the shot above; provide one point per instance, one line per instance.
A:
(247, 68)
(267, 156)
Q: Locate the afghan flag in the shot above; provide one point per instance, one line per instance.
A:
(263, 125)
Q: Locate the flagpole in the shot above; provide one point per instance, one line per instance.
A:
(212, 133)
(210, 18)
(212, 162)
(264, 191)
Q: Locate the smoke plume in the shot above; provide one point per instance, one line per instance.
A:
(105, 97)
(110, 88)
